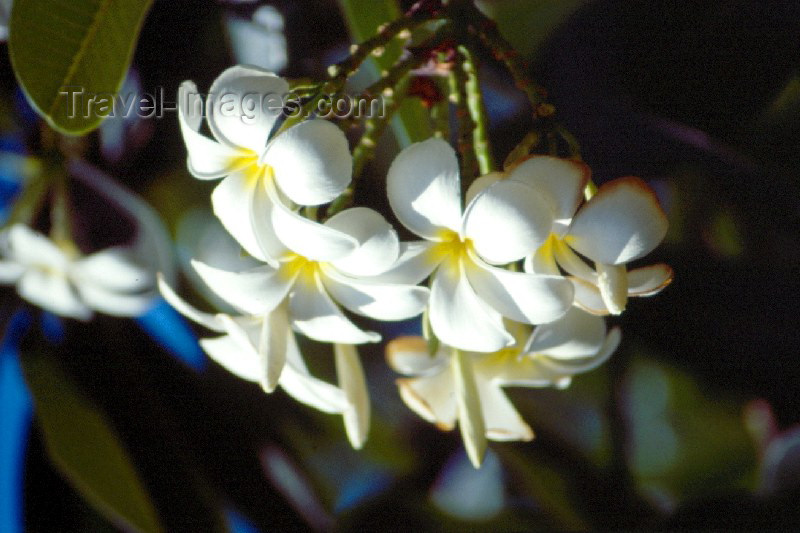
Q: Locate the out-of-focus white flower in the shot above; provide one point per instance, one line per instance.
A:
(308, 164)
(241, 349)
(502, 223)
(151, 247)
(308, 286)
(59, 279)
(467, 386)
(5, 16)
(259, 41)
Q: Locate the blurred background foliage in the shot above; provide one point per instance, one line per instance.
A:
(693, 423)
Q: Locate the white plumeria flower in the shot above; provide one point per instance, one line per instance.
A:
(308, 164)
(61, 280)
(240, 349)
(503, 223)
(299, 293)
(619, 224)
(466, 387)
(309, 287)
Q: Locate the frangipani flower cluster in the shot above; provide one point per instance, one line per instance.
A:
(310, 269)
(501, 262)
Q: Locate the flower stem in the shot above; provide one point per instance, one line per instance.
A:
(360, 52)
(457, 80)
(365, 149)
(60, 227)
(340, 72)
(363, 16)
(477, 110)
(522, 149)
(440, 118)
(28, 203)
(502, 51)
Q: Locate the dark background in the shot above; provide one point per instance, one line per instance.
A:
(685, 95)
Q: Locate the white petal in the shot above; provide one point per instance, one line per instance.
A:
(267, 337)
(622, 222)
(520, 296)
(207, 159)
(316, 316)
(51, 291)
(508, 368)
(502, 421)
(269, 244)
(431, 397)
(30, 247)
(507, 221)
(378, 245)
(482, 183)
(207, 320)
(311, 162)
(238, 355)
(543, 261)
(232, 200)
(574, 265)
(376, 300)
(569, 367)
(305, 237)
(424, 188)
(409, 355)
(588, 298)
(10, 271)
(414, 264)
(459, 318)
(273, 346)
(649, 280)
(243, 104)
(561, 181)
(303, 387)
(240, 360)
(255, 291)
(113, 269)
(115, 303)
(613, 284)
(470, 414)
(576, 334)
(352, 381)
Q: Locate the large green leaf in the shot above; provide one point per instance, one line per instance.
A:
(60, 47)
(86, 449)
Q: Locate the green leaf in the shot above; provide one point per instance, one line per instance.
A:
(85, 448)
(61, 47)
(411, 122)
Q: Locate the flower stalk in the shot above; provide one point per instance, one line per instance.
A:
(477, 111)
(457, 81)
(365, 149)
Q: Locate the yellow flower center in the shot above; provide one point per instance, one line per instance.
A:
(451, 247)
(247, 162)
(501, 357)
(304, 269)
